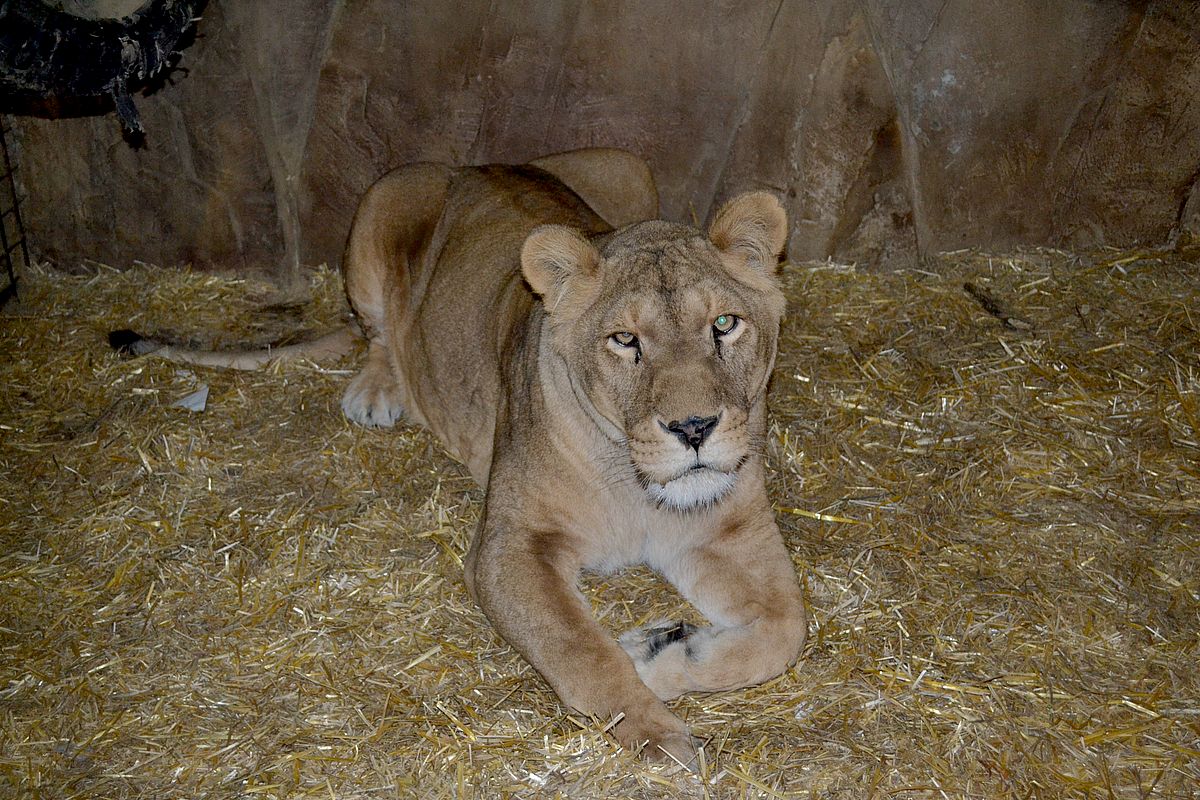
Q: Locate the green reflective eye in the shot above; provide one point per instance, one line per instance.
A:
(725, 323)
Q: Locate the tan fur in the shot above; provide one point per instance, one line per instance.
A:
(564, 430)
(568, 429)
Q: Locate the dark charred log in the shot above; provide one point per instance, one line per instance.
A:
(56, 64)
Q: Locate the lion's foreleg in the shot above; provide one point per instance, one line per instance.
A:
(525, 583)
(746, 586)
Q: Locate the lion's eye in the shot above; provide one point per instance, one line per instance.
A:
(625, 339)
(725, 324)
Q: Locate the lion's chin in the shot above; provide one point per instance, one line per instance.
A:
(695, 488)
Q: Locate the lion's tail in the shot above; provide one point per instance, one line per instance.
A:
(328, 347)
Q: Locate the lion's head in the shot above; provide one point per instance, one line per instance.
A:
(669, 336)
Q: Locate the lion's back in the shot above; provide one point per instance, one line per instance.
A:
(470, 302)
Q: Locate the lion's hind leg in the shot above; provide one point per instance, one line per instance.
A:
(746, 586)
(374, 398)
(388, 242)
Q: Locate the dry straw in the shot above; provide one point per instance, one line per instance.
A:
(987, 473)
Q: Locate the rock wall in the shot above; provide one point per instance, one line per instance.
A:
(890, 127)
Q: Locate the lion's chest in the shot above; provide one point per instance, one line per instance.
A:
(623, 530)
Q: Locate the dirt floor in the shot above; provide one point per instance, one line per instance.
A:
(988, 474)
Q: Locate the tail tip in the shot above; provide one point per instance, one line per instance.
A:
(126, 342)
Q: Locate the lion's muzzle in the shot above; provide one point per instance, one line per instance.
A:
(690, 462)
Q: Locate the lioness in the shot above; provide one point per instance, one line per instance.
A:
(614, 414)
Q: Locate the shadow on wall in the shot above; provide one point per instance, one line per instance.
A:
(891, 128)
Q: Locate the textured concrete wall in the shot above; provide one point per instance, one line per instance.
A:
(890, 127)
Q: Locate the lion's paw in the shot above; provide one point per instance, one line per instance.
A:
(661, 654)
(372, 401)
(665, 740)
(672, 748)
(644, 644)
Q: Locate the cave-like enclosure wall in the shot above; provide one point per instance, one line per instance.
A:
(891, 127)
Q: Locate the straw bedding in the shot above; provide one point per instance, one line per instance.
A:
(988, 474)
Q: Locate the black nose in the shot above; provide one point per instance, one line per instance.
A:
(693, 430)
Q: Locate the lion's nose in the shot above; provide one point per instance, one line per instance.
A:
(693, 430)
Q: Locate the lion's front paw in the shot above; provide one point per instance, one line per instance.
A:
(661, 740)
(672, 748)
(661, 653)
(372, 400)
(643, 644)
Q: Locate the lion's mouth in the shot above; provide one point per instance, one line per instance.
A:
(697, 486)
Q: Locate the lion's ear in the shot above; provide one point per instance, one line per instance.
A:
(754, 226)
(551, 256)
